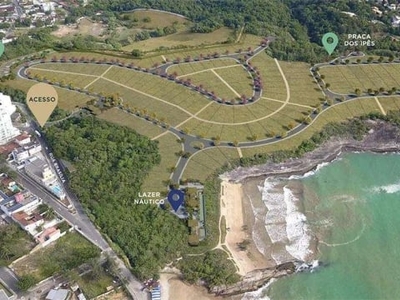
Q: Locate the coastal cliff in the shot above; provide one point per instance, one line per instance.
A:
(255, 280)
(382, 137)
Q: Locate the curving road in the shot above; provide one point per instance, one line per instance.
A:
(162, 71)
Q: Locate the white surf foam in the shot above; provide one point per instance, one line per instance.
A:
(285, 223)
(313, 172)
(297, 230)
(259, 294)
(389, 189)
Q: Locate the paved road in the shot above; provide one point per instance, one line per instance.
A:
(78, 219)
(162, 69)
(9, 279)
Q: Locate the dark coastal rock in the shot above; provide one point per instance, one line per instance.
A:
(382, 137)
(256, 279)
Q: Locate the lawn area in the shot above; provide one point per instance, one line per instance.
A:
(344, 79)
(303, 90)
(273, 84)
(204, 163)
(67, 253)
(157, 179)
(150, 19)
(183, 38)
(337, 113)
(274, 121)
(239, 113)
(122, 118)
(67, 100)
(75, 80)
(184, 69)
(239, 79)
(160, 88)
(80, 68)
(210, 82)
(390, 103)
(133, 99)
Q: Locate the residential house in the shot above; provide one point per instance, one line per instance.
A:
(23, 139)
(28, 222)
(49, 235)
(19, 202)
(26, 151)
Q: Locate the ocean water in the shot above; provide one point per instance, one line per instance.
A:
(347, 215)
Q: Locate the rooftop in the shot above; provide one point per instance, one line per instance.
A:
(16, 201)
(36, 166)
(24, 219)
(60, 294)
(47, 234)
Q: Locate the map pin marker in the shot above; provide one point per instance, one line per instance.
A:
(176, 198)
(1, 48)
(330, 41)
(42, 99)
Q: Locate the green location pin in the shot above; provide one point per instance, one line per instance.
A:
(1, 48)
(330, 45)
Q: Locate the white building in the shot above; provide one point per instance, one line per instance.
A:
(7, 130)
(40, 171)
(28, 150)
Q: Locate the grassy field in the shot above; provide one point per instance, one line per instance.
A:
(273, 84)
(157, 179)
(185, 69)
(67, 100)
(209, 81)
(183, 38)
(345, 79)
(150, 19)
(52, 259)
(80, 68)
(93, 287)
(302, 88)
(134, 99)
(205, 162)
(75, 80)
(239, 79)
(119, 117)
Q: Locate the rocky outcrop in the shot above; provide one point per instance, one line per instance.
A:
(255, 280)
(383, 137)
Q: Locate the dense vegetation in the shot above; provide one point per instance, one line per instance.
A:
(209, 268)
(14, 243)
(111, 163)
(70, 252)
(298, 25)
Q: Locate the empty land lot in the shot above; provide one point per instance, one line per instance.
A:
(344, 79)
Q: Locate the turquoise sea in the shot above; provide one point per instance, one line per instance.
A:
(352, 206)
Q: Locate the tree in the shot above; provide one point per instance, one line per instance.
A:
(370, 59)
(136, 53)
(380, 59)
(357, 92)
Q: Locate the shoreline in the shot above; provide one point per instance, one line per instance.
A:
(382, 138)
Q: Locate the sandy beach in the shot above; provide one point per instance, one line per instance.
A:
(175, 289)
(240, 219)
